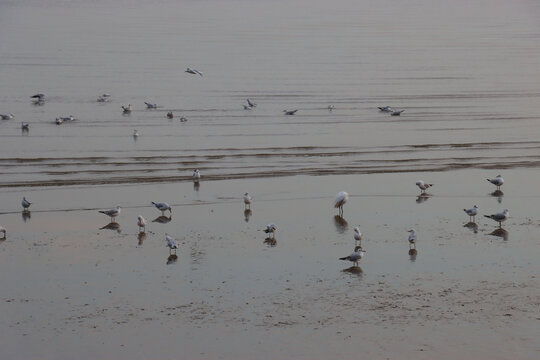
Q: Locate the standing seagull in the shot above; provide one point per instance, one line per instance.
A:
(498, 181)
(170, 115)
(193, 71)
(196, 175)
(38, 97)
(25, 204)
(135, 133)
(171, 243)
(270, 229)
(472, 212)
(412, 238)
(357, 234)
(340, 200)
(499, 217)
(251, 103)
(112, 213)
(423, 186)
(247, 201)
(25, 126)
(3, 230)
(356, 256)
(126, 109)
(162, 206)
(141, 222)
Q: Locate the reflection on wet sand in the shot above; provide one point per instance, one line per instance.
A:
(473, 226)
(26, 215)
(354, 270)
(498, 194)
(247, 214)
(500, 232)
(270, 242)
(171, 259)
(162, 219)
(141, 237)
(341, 224)
(196, 185)
(423, 197)
(112, 226)
(412, 254)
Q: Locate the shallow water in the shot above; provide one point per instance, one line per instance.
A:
(467, 75)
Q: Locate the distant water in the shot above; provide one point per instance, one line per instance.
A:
(466, 73)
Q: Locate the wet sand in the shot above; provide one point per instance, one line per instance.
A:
(72, 289)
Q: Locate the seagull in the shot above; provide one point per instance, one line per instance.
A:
(357, 234)
(472, 212)
(498, 181)
(499, 217)
(331, 107)
(150, 106)
(247, 200)
(412, 238)
(246, 107)
(141, 222)
(340, 200)
(171, 243)
(38, 97)
(356, 256)
(126, 109)
(25, 204)
(162, 206)
(7, 116)
(170, 115)
(196, 175)
(183, 119)
(60, 120)
(251, 103)
(135, 133)
(270, 229)
(3, 230)
(193, 71)
(290, 112)
(385, 108)
(104, 98)
(396, 112)
(423, 186)
(25, 126)
(112, 213)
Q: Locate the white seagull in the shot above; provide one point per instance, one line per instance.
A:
(246, 107)
(25, 204)
(270, 229)
(171, 243)
(356, 256)
(126, 109)
(385, 108)
(498, 181)
(499, 217)
(471, 212)
(25, 126)
(412, 238)
(290, 112)
(135, 133)
(193, 71)
(251, 103)
(247, 200)
(141, 222)
(396, 112)
(423, 186)
(60, 120)
(150, 106)
(112, 213)
(3, 230)
(340, 200)
(162, 206)
(196, 175)
(331, 107)
(38, 97)
(7, 116)
(357, 234)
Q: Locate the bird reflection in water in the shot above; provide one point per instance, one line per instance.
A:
(422, 198)
(498, 194)
(196, 185)
(162, 219)
(26, 215)
(247, 214)
(341, 224)
(354, 270)
(412, 254)
(270, 241)
(472, 226)
(500, 232)
(141, 237)
(171, 259)
(112, 226)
